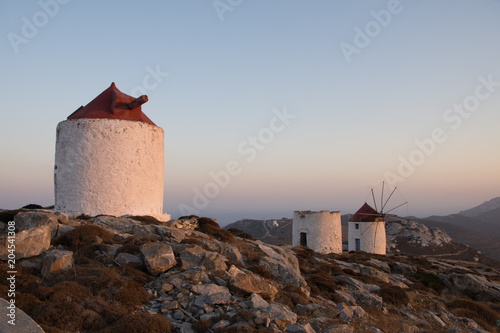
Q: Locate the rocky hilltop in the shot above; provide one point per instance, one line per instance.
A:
(135, 274)
(404, 237)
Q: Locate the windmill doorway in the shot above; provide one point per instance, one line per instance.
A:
(303, 239)
(358, 244)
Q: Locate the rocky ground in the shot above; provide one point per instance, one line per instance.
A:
(135, 274)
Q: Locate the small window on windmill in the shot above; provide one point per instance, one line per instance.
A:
(356, 226)
(303, 239)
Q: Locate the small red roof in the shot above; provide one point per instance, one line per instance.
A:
(365, 214)
(113, 104)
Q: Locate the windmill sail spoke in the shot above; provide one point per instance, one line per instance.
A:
(374, 202)
(389, 198)
(395, 231)
(372, 223)
(382, 199)
(398, 218)
(404, 203)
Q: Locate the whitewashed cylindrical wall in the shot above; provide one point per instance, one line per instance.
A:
(322, 230)
(109, 166)
(371, 235)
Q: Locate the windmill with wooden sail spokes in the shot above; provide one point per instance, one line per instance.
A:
(366, 227)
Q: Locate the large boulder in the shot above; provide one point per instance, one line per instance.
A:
(368, 299)
(351, 313)
(255, 301)
(346, 297)
(195, 256)
(381, 265)
(124, 258)
(277, 313)
(192, 256)
(473, 286)
(403, 269)
(212, 294)
(316, 311)
(246, 282)
(29, 243)
(213, 261)
(231, 252)
(158, 257)
(33, 219)
(56, 261)
(306, 328)
(283, 265)
(120, 224)
(356, 285)
(22, 322)
(370, 271)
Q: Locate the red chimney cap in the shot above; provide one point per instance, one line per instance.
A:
(113, 104)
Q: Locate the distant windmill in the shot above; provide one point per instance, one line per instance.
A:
(367, 225)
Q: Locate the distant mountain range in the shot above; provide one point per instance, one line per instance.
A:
(485, 207)
(478, 227)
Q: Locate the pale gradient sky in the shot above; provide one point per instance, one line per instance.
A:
(353, 121)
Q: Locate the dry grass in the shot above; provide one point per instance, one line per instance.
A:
(202, 325)
(240, 233)
(133, 273)
(88, 254)
(239, 329)
(111, 285)
(85, 235)
(192, 241)
(261, 271)
(283, 299)
(394, 295)
(359, 257)
(8, 215)
(90, 298)
(63, 315)
(27, 302)
(146, 219)
(210, 227)
(130, 248)
(318, 274)
(141, 322)
(252, 255)
(188, 217)
(387, 323)
(430, 280)
(482, 314)
(291, 296)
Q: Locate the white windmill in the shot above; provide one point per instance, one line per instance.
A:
(366, 228)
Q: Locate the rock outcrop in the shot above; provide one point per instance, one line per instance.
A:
(415, 233)
(116, 272)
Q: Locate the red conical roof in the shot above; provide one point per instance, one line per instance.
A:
(365, 214)
(113, 104)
